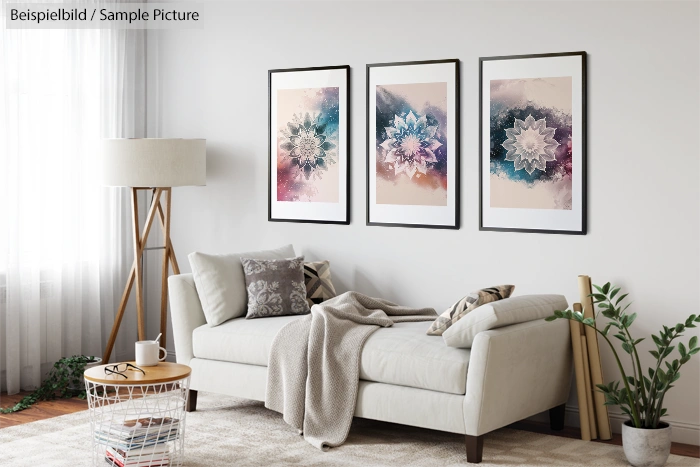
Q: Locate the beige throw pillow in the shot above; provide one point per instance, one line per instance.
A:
(467, 304)
(221, 284)
(494, 315)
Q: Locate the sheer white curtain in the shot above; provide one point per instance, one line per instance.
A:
(65, 245)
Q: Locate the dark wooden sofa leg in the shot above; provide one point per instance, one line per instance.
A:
(191, 401)
(475, 448)
(556, 417)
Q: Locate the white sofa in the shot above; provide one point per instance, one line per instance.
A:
(406, 376)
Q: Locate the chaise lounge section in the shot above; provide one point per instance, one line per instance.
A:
(406, 376)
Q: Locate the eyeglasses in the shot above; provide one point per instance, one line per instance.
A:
(121, 368)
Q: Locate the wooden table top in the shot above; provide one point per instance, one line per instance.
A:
(164, 372)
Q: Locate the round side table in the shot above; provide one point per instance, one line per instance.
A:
(140, 419)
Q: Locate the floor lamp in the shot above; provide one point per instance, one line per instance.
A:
(156, 165)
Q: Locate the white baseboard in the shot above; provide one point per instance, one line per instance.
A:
(681, 432)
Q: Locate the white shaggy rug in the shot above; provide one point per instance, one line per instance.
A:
(226, 431)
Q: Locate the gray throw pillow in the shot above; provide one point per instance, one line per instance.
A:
(275, 287)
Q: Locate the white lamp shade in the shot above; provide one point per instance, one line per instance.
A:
(154, 162)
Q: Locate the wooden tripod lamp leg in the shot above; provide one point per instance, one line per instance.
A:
(164, 273)
(139, 241)
(138, 253)
(169, 243)
(120, 315)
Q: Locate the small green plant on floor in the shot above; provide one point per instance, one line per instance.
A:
(642, 395)
(61, 382)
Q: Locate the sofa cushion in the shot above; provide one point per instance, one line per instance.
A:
(275, 287)
(501, 313)
(221, 284)
(239, 340)
(404, 355)
(319, 286)
(467, 304)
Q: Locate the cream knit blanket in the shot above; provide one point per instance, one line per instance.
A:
(320, 403)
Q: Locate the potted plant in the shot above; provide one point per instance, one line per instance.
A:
(64, 380)
(645, 438)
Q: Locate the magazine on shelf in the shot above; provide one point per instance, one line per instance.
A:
(137, 443)
(140, 426)
(148, 462)
(157, 451)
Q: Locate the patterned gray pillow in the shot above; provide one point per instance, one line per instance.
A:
(275, 287)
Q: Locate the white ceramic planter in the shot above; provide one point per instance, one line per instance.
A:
(646, 447)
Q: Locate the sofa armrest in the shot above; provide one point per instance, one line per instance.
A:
(515, 372)
(186, 312)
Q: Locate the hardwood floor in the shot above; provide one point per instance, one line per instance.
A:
(49, 409)
(39, 411)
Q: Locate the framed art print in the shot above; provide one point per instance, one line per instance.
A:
(533, 143)
(308, 138)
(413, 144)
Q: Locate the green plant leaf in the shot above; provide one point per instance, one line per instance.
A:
(620, 298)
(693, 342)
(550, 318)
(682, 350)
(607, 328)
(589, 322)
(694, 351)
(679, 327)
(630, 319)
(668, 351)
(600, 297)
(685, 359)
(610, 314)
(627, 347)
(614, 292)
(654, 353)
(598, 288)
(606, 288)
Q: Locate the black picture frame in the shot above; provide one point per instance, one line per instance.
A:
(347, 145)
(457, 149)
(584, 157)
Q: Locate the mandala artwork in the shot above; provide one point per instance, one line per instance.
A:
(410, 144)
(412, 156)
(307, 145)
(530, 159)
(530, 144)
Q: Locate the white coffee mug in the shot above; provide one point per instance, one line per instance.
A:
(147, 353)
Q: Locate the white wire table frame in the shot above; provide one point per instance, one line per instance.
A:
(140, 419)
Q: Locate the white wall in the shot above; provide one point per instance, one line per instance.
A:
(644, 201)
